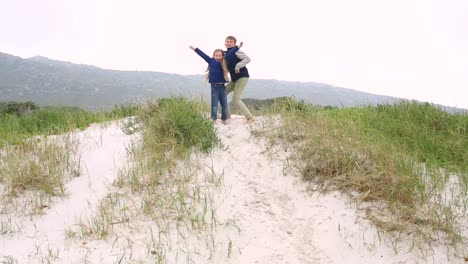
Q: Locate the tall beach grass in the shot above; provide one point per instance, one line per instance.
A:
(407, 162)
(34, 164)
(22, 120)
(161, 190)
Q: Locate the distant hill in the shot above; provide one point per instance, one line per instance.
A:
(45, 82)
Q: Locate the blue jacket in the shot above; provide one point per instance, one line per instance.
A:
(232, 61)
(216, 71)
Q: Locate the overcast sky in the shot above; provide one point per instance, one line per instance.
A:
(415, 49)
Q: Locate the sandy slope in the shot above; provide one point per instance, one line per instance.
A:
(272, 219)
(281, 223)
(101, 148)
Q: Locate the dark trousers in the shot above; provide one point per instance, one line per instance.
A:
(218, 96)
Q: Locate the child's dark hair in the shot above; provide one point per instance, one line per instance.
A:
(232, 38)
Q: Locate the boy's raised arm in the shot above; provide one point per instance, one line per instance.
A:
(231, 53)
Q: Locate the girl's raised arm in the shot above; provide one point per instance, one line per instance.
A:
(201, 53)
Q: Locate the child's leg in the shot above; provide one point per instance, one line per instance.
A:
(236, 98)
(223, 102)
(229, 89)
(214, 102)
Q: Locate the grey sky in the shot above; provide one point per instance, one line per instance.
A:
(407, 48)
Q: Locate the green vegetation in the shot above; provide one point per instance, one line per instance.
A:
(17, 108)
(405, 164)
(178, 120)
(423, 131)
(163, 181)
(407, 155)
(22, 120)
(40, 168)
(171, 128)
(30, 162)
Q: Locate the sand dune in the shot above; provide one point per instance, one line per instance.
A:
(266, 214)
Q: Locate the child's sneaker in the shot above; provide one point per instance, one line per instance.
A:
(250, 120)
(224, 122)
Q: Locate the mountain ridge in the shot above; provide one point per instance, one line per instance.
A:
(46, 81)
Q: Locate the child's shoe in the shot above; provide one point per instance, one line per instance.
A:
(250, 120)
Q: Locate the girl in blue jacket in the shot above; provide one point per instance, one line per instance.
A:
(217, 75)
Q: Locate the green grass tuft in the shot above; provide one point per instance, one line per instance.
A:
(402, 155)
(20, 121)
